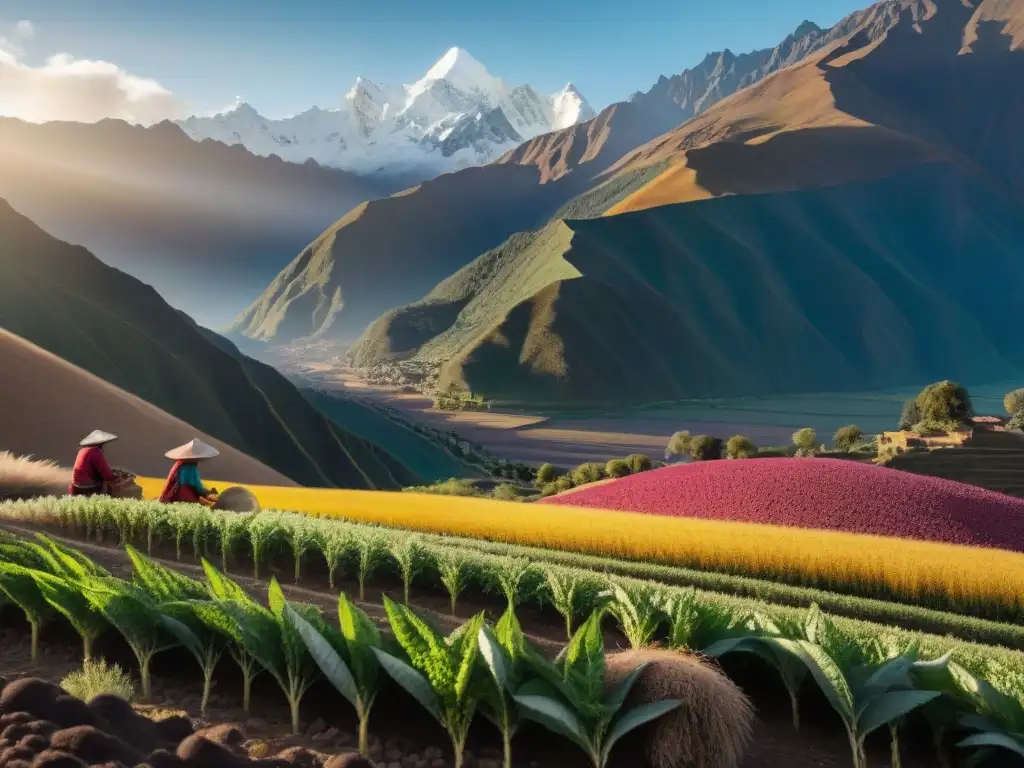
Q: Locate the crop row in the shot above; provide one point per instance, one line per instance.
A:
(987, 583)
(368, 553)
(910, 617)
(871, 683)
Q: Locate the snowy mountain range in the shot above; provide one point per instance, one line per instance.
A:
(457, 115)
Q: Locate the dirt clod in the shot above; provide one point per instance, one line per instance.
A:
(200, 752)
(95, 746)
(53, 758)
(348, 760)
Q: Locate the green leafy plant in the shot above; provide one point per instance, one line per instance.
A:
(232, 527)
(411, 556)
(453, 568)
(302, 538)
(136, 615)
(263, 530)
(18, 585)
(293, 667)
(68, 600)
(740, 447)
(350, 665)
(510, 573)
(441, 672)
(97, 678)
(335, 543)
(503, 650)
(566, 593)
(568, 696)
(640, 611)
(372, 548)
(697, 624)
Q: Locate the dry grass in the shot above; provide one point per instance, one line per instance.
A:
(22, 477)
(97, 678)
(711, 729)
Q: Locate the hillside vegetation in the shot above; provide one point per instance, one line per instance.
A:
(844, 223)
(63, 299)
(858, 286)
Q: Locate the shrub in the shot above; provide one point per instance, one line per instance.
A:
(846, 438)
(740, 447)
(546, 474)
(944, 402)
(705, 448)
(909, 416)
(806, 441)
(590, 472)
(639, 462)
(616, 468)
(96, 678)
(679, 444)
(564, 483)
(505, 492)
(450, 487)
(1014, 402)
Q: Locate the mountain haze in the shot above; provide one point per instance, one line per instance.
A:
(204, 223)
(63, 299)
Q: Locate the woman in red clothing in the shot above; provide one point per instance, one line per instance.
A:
(92, 473)
(183, 481)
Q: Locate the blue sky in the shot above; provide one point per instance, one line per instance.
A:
(284, 56)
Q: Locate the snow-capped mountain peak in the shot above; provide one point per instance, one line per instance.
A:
(458, 114)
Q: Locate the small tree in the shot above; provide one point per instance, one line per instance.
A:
(616, 468)
(740, 447)
(679, 444)
(806, 441)
(705, 448)
(944, 402)
(546, 474)
(847, 437)
(1014, 402)
(909, 416)
(590, 472)
(639, 462)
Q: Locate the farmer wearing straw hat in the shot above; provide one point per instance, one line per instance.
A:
(183, 481)
(92, 473)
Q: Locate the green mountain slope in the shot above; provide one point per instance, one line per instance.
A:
(63, 299)
(389, 252)
(861, 285)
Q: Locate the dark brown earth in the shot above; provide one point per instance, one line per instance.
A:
(402, 736)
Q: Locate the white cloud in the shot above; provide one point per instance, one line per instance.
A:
(25, 29)
(65, 88)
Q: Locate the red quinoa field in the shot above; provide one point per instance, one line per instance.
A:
(826, 494)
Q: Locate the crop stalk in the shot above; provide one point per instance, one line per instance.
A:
(894, 745)
(86, 647)
(207, 687)
(246, 691)
(35, 640)
(144, 674)
(298, 567)
(364, 731)
(794, 702)
(938, 740)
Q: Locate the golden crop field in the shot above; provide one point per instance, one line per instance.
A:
(910, 570)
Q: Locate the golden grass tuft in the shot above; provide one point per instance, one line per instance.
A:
(22, 477)
(712, 727)
(97, 678)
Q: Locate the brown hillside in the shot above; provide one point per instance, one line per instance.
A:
(52, 404)
(942, 83)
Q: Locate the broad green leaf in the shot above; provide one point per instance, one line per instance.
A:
(730, 645)
(21, 588)
(412, 682)
(470, 651)
(994, 739)
(617, 696)
(326, 658)
(184, 635)
(69, 601)
(895, 672)
(633, 719)
(164, 584)
(426, 649)
(359, 634)
(888, 707)
(510, 634)
(275, 598)
(221, 587)
(496, 657)
(825, 672)
(556, 717)
(73, 562)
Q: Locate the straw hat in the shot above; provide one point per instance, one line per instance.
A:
(194, 450)
(97, 437)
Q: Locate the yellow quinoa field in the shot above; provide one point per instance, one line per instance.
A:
(906, 569)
